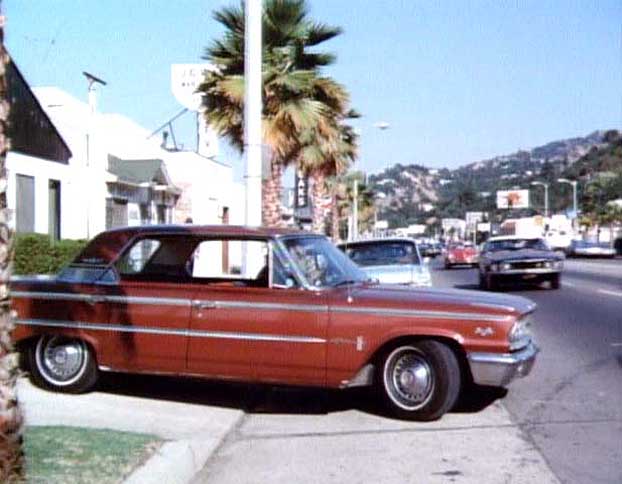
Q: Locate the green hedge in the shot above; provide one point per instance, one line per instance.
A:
(38, 254)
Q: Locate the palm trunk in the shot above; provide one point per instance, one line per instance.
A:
(271, 196)
(321, 204)
(334, 219)
(11, 420)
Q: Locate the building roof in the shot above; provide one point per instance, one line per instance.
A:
(30, 128)
(139, 171)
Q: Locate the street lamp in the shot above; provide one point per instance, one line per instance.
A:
(546, 196)
(574, 193)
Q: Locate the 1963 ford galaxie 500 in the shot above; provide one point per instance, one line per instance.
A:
(262, 305)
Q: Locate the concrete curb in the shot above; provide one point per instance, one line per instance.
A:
(177, 462)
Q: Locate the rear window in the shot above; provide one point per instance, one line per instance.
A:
(385, 253)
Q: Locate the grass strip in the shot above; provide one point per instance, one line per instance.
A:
(82, 455)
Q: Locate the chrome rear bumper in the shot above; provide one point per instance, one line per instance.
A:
(499, 369)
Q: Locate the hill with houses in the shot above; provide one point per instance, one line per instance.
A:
(414, 193)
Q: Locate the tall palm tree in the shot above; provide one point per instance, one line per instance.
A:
(328, 154)
(11, 455)
(296, 99)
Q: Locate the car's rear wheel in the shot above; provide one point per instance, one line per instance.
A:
(62, 364)
(420, 380)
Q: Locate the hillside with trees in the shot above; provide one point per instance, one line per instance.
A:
(416, 194)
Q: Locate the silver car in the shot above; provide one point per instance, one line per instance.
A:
(390, 261)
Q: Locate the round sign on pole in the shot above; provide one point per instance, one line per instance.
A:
(185, 79)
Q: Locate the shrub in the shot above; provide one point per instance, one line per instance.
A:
(38, 254)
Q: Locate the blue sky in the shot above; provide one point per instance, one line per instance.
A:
(457, 81)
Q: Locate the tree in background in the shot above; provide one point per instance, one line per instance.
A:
(298, 101)
(11, 420)
(343, 189)
(325, 155)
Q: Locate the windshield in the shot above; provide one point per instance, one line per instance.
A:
(383, 253)
(321, 263)
(516, 244)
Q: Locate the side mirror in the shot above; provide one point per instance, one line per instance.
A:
(290, 282)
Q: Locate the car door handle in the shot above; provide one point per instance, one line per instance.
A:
(204, 305)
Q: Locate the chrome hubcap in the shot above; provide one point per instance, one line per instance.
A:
(409, 377)
(61, 360)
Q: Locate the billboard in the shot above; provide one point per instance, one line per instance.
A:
(512, 199)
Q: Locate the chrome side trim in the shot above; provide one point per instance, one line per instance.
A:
(168, 331)
(415, 313)
(154, 301)
(67, 296)
(273, 306)
(55, 296)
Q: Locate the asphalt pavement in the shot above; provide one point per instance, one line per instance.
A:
(570, 407)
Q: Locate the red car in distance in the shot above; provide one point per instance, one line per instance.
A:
(461, 253)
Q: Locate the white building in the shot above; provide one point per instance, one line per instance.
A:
(112, 173)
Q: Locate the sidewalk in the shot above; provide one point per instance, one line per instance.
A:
(192, 431)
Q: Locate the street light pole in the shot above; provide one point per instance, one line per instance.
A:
(252, 109)
(574, 193)
(546, 196)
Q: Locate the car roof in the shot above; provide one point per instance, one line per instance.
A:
(511, 237)
(377, 240)
(105, 247)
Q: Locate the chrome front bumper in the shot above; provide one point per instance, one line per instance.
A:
(499, 369)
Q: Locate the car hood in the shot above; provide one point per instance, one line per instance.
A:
(510, 255)
(388, 296)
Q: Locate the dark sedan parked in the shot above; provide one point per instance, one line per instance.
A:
(518, 259)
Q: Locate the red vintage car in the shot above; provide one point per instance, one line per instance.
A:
(262, 305)
(461, 253)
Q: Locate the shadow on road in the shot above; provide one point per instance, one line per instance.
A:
(506, 288)
(253, 398)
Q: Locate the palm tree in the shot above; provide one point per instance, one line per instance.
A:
(328, 153)
(296, 99)
(11, 455)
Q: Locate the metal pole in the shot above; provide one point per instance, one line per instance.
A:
(574, 199)
(355, 211)
(546, 200)
(252, 110)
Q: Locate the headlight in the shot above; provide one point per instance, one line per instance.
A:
(520, 334)
(548, 265)
(494, 267)
(506, 266)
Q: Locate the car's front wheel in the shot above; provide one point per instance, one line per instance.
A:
(62, 364)
(420, 380)
(556, 281)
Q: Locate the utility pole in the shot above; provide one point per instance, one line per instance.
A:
(355, 210)
(252, 110)
(546, 196)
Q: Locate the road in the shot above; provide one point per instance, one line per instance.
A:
(571, 405)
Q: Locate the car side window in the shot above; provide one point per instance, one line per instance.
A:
(244, 262)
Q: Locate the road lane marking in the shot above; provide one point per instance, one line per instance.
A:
(615, 345)
(610, 293)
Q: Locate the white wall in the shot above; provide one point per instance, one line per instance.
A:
(72, 211)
